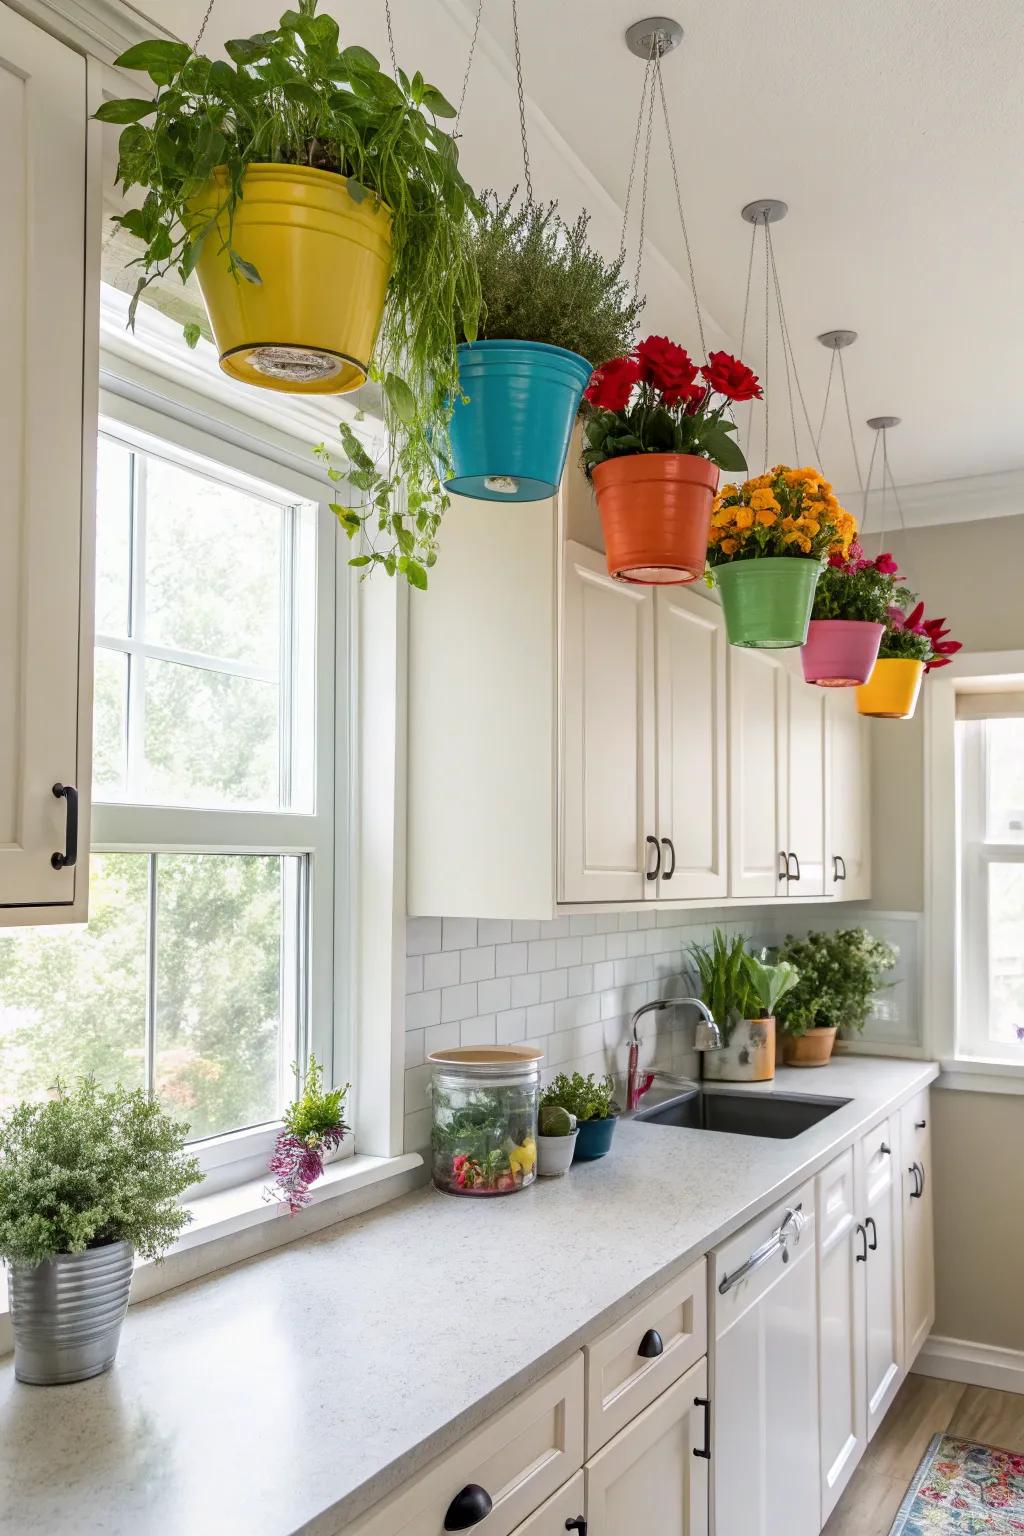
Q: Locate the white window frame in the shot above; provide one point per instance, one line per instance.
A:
(952, 966)
(313, 834)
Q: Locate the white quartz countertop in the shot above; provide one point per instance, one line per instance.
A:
(290, 1393)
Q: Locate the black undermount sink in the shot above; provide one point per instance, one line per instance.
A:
(780, 1115)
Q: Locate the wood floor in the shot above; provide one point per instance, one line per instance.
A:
(924, 1407)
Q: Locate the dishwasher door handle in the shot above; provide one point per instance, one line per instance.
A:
(792, 1225)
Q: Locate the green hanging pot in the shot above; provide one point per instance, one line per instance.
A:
(767, 602)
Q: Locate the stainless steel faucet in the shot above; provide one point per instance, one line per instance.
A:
(708, 1038)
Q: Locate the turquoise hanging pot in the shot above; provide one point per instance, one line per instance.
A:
(510, 435)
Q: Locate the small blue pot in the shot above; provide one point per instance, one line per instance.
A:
(594, 1138)
(510, 437)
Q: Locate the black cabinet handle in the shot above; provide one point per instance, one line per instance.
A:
(69, 858)
(783, 864)
(862, 1258)
(796, 861)
(651, 1345)
(704, 1452)
(920, 1125)
(869, 1221)
(579, 1524)
(669, 847)
(842, 861)
(471, 1505)
(652, 874)
(885, 1149)
(918, 1189)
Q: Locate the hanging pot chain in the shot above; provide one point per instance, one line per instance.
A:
(679, 201)
(391, 38)
(636, 150)
(849, 421)
(642, 232)
(788, 346)
(786, 359)
(469, 66)
(867, 494)
(202, 27)
(522, 101)
(828, 391)
(765, 391)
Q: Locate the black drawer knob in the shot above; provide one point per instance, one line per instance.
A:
(471, 1505)
(651, 1345)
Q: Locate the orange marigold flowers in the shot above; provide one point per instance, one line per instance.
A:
(729, 546)
(790, 511)
(766, 518)
(762, 500)
(744, 517)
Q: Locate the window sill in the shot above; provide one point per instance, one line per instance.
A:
(973, 1074)
(235, 1224)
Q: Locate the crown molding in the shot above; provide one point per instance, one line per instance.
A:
(967, 500)
(101, 28)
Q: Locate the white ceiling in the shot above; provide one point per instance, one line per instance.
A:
(893, 131)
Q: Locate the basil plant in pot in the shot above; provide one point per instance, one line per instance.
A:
(591, 1101)
(87, 1180)
(838, 976)
(551, 309)
(743, 992)
(320, 204)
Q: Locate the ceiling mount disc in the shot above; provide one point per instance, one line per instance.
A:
(767, 210)
(835, 339)
(876, 423)
(659, 33)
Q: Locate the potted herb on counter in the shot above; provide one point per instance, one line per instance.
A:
(743, 992)
(556, 1140)
(838, 976)
(87, 1180)
(314, 1128)
(592, 1101)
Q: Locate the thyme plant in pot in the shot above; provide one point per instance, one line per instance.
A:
(320, 204)
(768, 540)
(551, 309)
(838, 976)
(851, 606)
(743, 992)
(911, 646)
(655, 439)
(591, 1100)
(87, 1180)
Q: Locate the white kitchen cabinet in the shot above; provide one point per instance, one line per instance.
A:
(47, 428)
(609, 834)
(758, 750)
(842, 1357)
(847, 803)
(881, 1258)
(918, 1228)
(805, 789)
(653, 1476)
(564, 1511)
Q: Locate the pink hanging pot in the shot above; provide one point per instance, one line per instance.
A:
(840, 653)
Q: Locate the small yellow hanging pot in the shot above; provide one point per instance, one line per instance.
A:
(310, 324)
(892, 690)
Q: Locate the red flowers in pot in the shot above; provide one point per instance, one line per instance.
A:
(656, 437)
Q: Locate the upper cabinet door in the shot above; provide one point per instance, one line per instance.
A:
(847, 809)
(805, 791)
(692, 766)
(607, 762)
(757, 773)
(44, 726)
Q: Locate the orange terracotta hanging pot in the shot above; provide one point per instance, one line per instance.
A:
(656, 514)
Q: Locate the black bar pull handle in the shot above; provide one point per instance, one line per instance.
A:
(669, 847)
(869, 1221)
(783, 865)
(862, 1231)
(704, 1452)
(792, 858)
(577, 1524)
(652, 874)
(69, 858)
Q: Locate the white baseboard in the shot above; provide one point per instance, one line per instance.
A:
(979, 1365)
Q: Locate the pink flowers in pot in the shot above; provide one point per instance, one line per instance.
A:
(912, 636)
(313, 1127)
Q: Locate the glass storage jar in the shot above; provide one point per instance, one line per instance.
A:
(484, 1134)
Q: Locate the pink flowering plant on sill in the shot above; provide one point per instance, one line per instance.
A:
(313, 1127)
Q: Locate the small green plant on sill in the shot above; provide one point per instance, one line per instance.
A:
(315, 1112)
(588, 1098)
(91, 1166)
(839, 974)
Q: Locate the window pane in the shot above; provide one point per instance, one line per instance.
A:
(211, 738)
(72, 1000)
(213, 567)
(113, 536)
(1006, 953)
(110, 723)
(219, 1046)
(1005, 778)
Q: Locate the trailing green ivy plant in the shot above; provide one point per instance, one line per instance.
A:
(294, 95)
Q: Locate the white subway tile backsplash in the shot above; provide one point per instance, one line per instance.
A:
(593, 949)
(524, 929)
(422, 935)
(478, 1031)
(540, 1019)
(569, 951)
(509, 959)
(414, 973)
(581, 980)
(478, 964)
(459, 933)
(615, 946)
(414, 1047)
(495, 995)
(604, 975)
(443, 1037)
(458, 1002)
(646, 919)
(636, 944)
(553, 986)
(541, 955)
(582, 925)
(511, 1026)
(441, 970)
(422, 1008)
(494, 930)
(627, 922)
(558, 928)
(526, 989)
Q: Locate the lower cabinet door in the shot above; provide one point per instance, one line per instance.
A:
(841, 1353)
(918, 1236)
(650, 1479)
(883, 1269)
(559, 1514)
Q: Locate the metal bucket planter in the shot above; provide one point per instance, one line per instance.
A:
(767, 602)
(67, 1314)
(310, 325)
(510, 434)
(748, 1056)
(656, 514)
(891, 692)
(840, 653)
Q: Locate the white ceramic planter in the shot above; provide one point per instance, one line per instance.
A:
(554, 1154)
(749, 1056)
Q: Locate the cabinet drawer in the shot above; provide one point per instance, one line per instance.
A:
(915, 1130)
(624, 1374)
(519, 1458)
(552, 1518)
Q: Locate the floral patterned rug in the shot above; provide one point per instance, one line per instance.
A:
(963, 1489)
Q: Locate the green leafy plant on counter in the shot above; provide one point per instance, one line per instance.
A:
(542, 280)
(838, 976)
(736, 984)
(588, 1098)
(88, 1167)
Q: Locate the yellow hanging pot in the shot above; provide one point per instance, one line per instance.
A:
(891, 692)
(310, 324)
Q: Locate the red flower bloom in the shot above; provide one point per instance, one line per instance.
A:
(612, 384)
(667, 366)
(886, 565)
(913, 619)
(728, 376)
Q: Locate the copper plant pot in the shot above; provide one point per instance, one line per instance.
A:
(810, 1050)
(656, 513)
